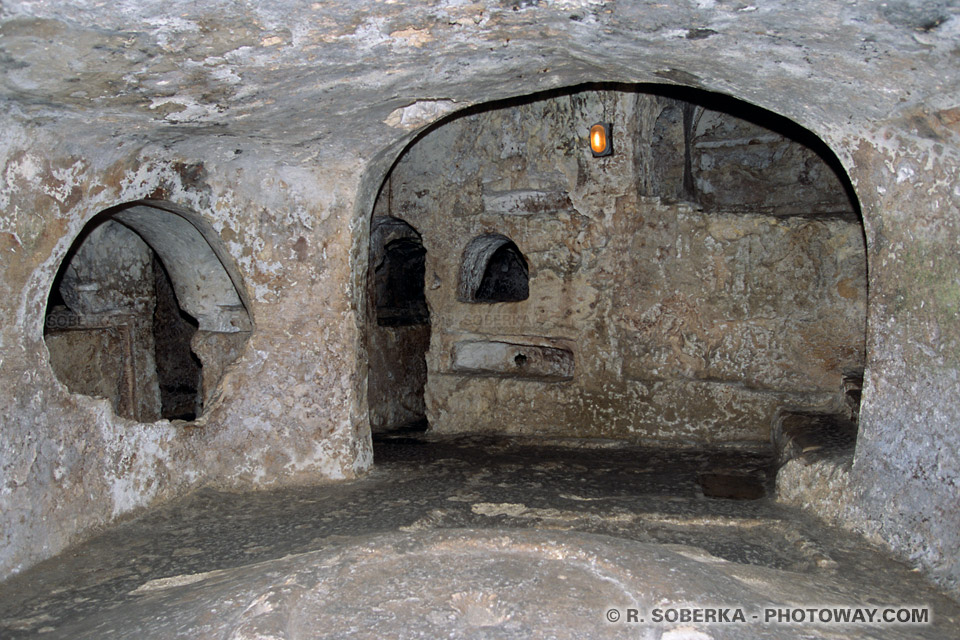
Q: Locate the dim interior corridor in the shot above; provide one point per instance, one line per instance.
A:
(473, 536)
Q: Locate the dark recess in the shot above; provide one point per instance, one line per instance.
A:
(505, 278)
(399, 283)
(178, 369)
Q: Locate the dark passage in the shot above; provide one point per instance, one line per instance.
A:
(399, 282)
(178, 369)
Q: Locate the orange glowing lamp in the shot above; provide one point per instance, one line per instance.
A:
(600, 143)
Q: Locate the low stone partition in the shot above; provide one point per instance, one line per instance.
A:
(815, 453)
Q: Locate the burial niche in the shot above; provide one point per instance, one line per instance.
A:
(493, 270)
(145, 313)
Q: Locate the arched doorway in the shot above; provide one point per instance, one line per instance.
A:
(694, 287)
(398, 327)
(146, 311)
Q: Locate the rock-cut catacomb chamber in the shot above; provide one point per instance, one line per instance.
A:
(703, 285)
(387, 306)
(145, 313)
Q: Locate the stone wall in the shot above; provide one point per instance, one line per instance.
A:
(277, 122)
(709, 273)
(98, 325)
(285, 412)
(904, 480)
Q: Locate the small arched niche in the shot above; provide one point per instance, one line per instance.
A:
(147, 310)
(398, 260)
(493, 270)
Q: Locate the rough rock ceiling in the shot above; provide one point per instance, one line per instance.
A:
(323, 76)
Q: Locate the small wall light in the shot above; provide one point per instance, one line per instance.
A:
(600, 142)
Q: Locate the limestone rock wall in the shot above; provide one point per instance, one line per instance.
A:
(689, 313)
(900, 488)
(284, 412)
(278, 121)
(100, 337)
(905, 488)
(397, 377)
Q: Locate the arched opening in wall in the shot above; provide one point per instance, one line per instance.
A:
(146, 311)
(493, 270)
(398, 275)
(399, 336)
(703, 286)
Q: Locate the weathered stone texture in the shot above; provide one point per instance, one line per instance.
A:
(685, 325)
(216, 351)
(507, 583)
(69, 462)
(397, 373)
(906, 469)
(277, 123)
(742, 165)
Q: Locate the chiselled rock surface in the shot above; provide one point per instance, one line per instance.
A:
(277, 124)
(479, 537)
(690, 320)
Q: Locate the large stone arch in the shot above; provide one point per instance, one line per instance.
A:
(514, 204)
(874, 81)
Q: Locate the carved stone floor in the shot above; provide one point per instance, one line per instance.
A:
(478, 537)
